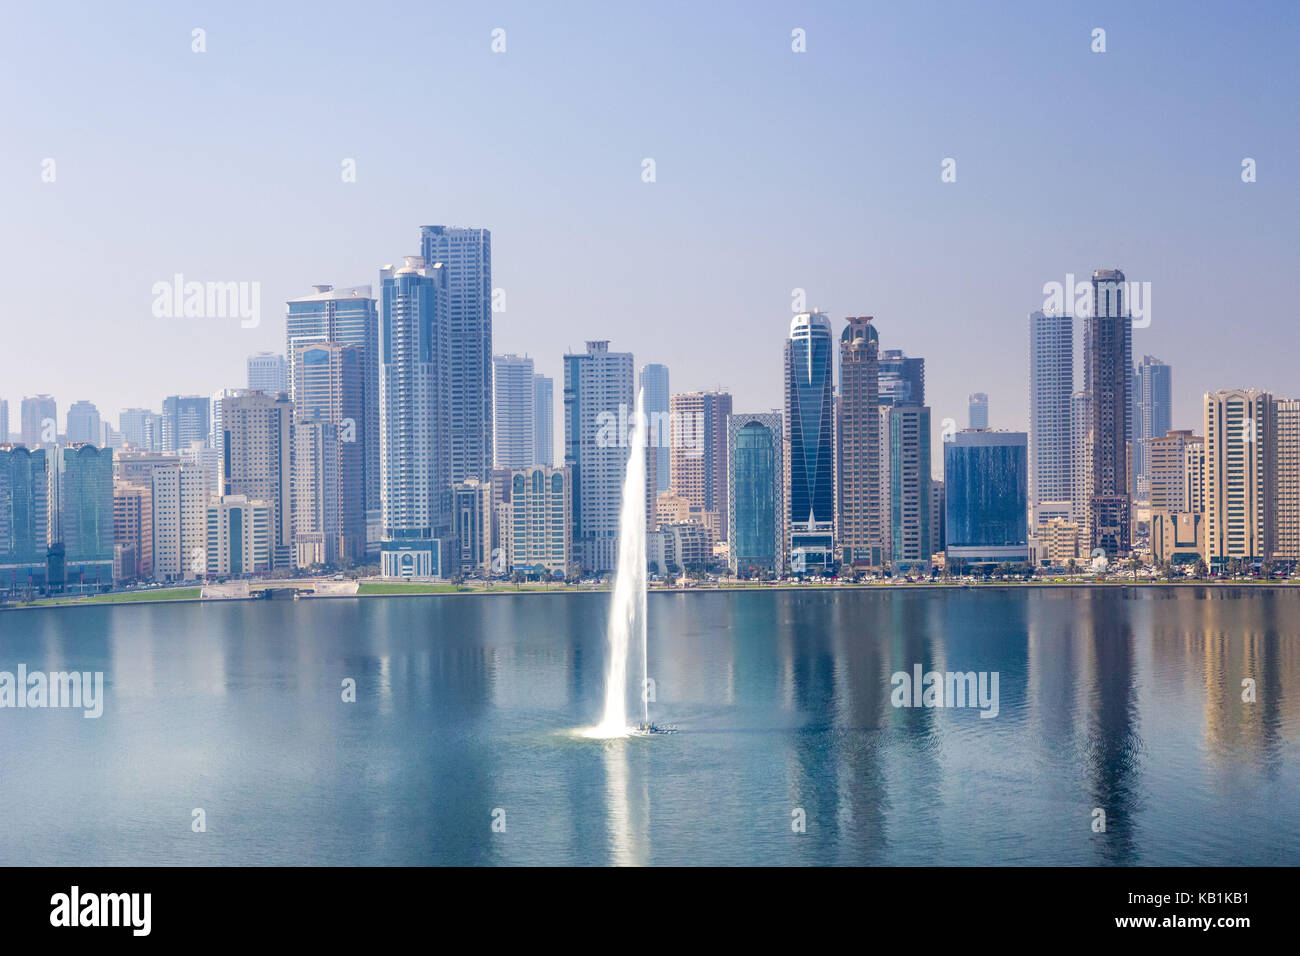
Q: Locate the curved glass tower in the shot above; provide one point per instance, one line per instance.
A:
(810, 435)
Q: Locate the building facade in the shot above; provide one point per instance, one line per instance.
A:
(1107, 380)
(860, 534)
(1239, 474)
(755, 479)
(514, 414)
(1051, 384)
(466, 258)
(986, 484)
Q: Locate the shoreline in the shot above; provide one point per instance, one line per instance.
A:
(439, 590)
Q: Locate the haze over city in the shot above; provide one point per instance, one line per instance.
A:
(773, 171)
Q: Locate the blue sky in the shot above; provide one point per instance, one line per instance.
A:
(775, 170)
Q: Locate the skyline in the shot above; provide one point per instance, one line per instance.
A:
(154, 180)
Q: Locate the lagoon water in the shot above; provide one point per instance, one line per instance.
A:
(1128, 700)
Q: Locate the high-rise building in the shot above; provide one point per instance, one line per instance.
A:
(658, 400)
(466, 257)
(181, 491)
(986, 486)
(698, 454)
(24, 516)
(1153, 410)
(543, 421)
(329, 387)
(132, 531)
(267, 373)
(808, 431)
(1166, 470)
(346, 317)
(318, 537)
(39, 421)
(1239, 476)
(4, 422)
(905, 485)
(186, 418)
(1079, 425)
(1107, 378)
(1194, 476)
(541, 535)
(1051, 383)
(141, 428)
(755, 479)
(256, 445)
(414, 421)
(599, 405)
(902, 379)
(85, 513)
(977, 414)
(240, 536)
(472, 514)
(1286, 533)
(513, 411)
(938, 516)
(861, 537)
(83, 424)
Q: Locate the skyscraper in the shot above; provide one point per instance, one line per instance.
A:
(905, 482)
(414, 414)
(132, 531)
(85, 513)
(346, 317)
(24, 516)
(1079, 425)
(181, 492)
(256, 445)
(1166, 476)
(858, 441)
(698, 454)
(330, 389)
(902, 379)
(186, 418)
(4, 422)
(1239, 476)
(513, 411)
(755, 477)
(1107, 378)
(39, 425)
(141, 428)
(1051, 382)
(466, 257)
(318, 537)
(658, 397)
(977, 414)
(1152, 416)
(808, 430)
(543, 420)
(541, 521)
(598, 409)
(83, 424)
(986, 489)
(267, 373)
(1286, 535)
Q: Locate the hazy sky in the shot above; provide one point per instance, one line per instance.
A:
(774, 170)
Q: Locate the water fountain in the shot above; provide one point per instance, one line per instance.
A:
(627, 610)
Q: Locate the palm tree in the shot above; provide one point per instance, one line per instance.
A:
(517, 578)
(1200, 568)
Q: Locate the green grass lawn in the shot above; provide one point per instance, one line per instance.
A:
(126, 597)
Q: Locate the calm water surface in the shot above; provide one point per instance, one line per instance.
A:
(1128, 700)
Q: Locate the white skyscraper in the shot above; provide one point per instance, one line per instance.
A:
(599, 404)
(266, 373)
(513, 411)
(180, 514)
(1051, 383)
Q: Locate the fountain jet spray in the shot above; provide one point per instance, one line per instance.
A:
(628, 600)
